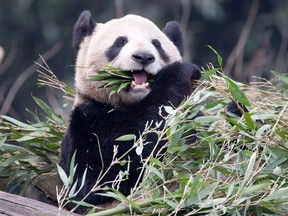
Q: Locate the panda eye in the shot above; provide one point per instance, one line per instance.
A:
(156, 44)
(120, 41)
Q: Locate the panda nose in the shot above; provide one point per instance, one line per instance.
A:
(143, 58)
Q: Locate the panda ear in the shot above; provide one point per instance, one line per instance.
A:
(83, 27)
(173, 32)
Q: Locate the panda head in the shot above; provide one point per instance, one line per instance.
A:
(131, 43)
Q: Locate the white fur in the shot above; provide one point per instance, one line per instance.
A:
(91, 56)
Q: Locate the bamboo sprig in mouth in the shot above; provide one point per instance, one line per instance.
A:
(114, 78)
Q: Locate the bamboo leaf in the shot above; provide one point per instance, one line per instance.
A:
(48, 110)
(13, 148)
(156, 162)
(114, 78)
(224, 171)
(13, 159)
(249, 120)
(134, 205)
(249, 170)
(122, 86)
(113, 91)
(254, 189)
(2, 140)
(139, 150)
(20, 124)
(63, 176)
(82, 182)
(209, 73)
(156, 171)
(219, 58)
(84, 204)
(72, 189)
(72, 169)
(236, 92)
(281, 193)
(281, 76)
(31, 136)
(207, 120)
(262, 130)
(231, 190)
(279, 151)
(170, 110)
(126, 137)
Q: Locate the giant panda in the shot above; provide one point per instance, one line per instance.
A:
(136, 45)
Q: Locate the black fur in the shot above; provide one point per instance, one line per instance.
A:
(236, 108)
(160, 50)
(174, 33)
(116, 47)
(83, 27)
(96, 121)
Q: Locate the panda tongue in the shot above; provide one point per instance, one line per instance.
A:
(140, 78)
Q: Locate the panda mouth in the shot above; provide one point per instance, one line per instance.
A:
(140, 79)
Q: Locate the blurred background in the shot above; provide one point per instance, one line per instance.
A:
(251, 36)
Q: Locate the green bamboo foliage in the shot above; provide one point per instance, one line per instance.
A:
(235, 166)
(114, 78)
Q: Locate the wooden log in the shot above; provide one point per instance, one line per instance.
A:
(47, 185)
(14, 205)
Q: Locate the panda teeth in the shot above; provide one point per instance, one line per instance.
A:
(134, 85)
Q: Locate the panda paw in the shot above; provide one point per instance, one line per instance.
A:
(178, 75)
(192, 71)
(179, 72)
(174, 82)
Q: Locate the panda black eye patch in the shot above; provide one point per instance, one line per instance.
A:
(156, 43)
(116, 47)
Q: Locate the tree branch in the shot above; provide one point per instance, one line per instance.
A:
(24, 76)
(119, 12)
(238, 49)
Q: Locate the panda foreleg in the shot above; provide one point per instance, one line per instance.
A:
(172, 84)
